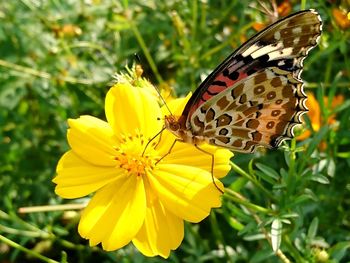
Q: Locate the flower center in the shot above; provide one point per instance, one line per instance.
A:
(129, 155)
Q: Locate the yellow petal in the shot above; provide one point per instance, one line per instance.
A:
(222, 162)
(176, 106)
(115, 214)
(161, 232)
(187, 191)
(183, 153)
(76, 177)
(130, 110)
(92, 139)
(314, 111)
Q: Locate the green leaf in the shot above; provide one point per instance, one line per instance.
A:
(276, 234)
(320, 178)
(268, 171)
(343, 106)
(339, 250)
(234, 223)
(312, 231)
(262, 256)
(265, 177)
(316, 140)
(254, 237)
(331, 167)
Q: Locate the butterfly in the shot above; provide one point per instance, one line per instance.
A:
(255, 96)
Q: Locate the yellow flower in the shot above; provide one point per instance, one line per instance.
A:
(133, 75)
(283, 9)
(135, 198)
(341, 17)
(315, 115)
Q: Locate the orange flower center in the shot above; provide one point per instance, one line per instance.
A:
(129, 156)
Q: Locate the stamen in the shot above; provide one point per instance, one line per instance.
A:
(129, 156)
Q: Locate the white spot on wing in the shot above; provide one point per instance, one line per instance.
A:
(266, 50)
(250, 50)
(296, 41)
(277, 54)
(296, 30)
(277, 35)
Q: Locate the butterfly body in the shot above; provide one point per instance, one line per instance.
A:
(173, 124)
(255, 97)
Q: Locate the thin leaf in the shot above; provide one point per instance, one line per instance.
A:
(276, 234)
(311, 233)
(268, 170)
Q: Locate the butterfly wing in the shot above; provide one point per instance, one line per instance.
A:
(259, 110)
(259, 79)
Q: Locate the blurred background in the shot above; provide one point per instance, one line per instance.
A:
(57, 60)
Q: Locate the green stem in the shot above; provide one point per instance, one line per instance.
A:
(238, 170)
(291, 172)
(85, 44)
(328, 71)
(20, 221)
(26, 250)
(21, 232)
(74, 246)
(48, 208)
(292, 250)
(146, 52)
(218, 235)
(194, 20)
(43, 74)
(224, 44)
(238, 198)
(313, 85)
(250, 208)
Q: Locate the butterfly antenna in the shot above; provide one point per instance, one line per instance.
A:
(138, 59)
(163, 100)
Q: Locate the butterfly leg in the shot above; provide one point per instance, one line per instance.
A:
(150, 140)
(160, 138)
(212, 166)
(169, 151)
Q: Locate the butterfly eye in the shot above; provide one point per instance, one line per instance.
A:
(175, 126)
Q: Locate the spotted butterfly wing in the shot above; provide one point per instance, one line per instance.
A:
(255, 97)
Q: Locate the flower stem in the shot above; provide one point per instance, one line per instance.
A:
(314, 85)
(28, 251)
(292, 250)
(146, 52)
(251, 207)
(238, 198)
(291, 172)
(44, 75)
(218, 235)
(22, 222)
(240, 171)
(27, 233)
(47, 208)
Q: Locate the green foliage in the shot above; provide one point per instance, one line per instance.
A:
(57, 59)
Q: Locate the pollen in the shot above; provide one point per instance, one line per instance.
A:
(129, 155)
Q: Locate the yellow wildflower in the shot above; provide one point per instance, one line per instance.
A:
(314, 113)
(137, 199)
(342, 18)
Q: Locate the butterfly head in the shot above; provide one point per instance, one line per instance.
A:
(172, 123)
